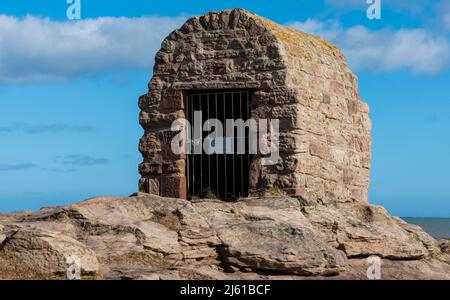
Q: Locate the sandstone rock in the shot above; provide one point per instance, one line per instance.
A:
(2, 236)
(276, 203)
(43, 254)
(130, 225)
(143, 274)
(149, 237)
(444, 245)
(425, 269)
(109, 246)
(364, 230)
(158, 238)
(420, 236)
(279, 247)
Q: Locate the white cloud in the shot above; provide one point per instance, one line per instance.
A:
(414, 8)
(384, 50)
(35, 49)
(443, 8)
(447, 21)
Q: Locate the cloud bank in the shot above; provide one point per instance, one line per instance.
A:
(384, 50)
(34, 49)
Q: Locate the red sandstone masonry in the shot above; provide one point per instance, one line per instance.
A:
(300, 79)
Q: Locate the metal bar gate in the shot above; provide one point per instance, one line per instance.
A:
(225, 175)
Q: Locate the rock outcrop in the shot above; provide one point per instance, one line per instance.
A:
(149, 237)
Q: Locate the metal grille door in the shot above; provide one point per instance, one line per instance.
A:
(224, 175)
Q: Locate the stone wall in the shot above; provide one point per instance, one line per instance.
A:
(297, 78)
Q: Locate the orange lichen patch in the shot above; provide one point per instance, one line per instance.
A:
(297, 42)
(301, 47)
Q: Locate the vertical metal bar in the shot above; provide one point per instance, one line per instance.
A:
(193, 154)
(225, 143)
(249, 107)
(233, 174)
(187, 155)
(200, 100)
(243, 136)
(209, 144)
(191, 174)
(216, 154)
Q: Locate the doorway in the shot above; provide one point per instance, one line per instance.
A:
(223, 174)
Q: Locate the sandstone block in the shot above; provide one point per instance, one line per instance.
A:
(320, 150)
(174, 186)
(172, 100)
(149, 185)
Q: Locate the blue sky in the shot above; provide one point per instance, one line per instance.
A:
(68, 92)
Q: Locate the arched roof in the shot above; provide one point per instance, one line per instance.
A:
(284, 52)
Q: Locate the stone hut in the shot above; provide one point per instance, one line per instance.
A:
(233, 63)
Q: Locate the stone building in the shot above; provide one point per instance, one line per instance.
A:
(233, 63)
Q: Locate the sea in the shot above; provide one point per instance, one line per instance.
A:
(436, 227)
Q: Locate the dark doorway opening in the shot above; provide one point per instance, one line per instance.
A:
(223, 175)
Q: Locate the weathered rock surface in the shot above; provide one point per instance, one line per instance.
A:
(38, 253)
(364, 230)
(149, 237)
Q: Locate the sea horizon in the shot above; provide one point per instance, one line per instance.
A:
(437, 227)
